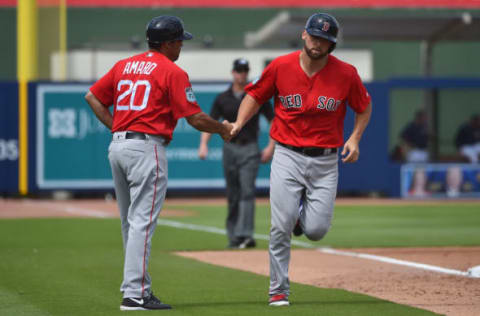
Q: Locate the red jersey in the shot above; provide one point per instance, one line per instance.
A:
(149, 93)
(309, 111)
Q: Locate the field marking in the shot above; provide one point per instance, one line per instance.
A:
(220, 231)
(416, 265)
(411, 264)
(72, 209)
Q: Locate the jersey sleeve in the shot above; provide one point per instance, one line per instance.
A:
(263, 88)
(216, 112)
(182, 98)
(104, 88)
(358, 97)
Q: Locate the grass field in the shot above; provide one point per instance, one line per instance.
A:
(74, 266)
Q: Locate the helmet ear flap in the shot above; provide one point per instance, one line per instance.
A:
(332, 47)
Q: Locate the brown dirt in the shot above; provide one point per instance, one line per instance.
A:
(440, 293)
(28, 208)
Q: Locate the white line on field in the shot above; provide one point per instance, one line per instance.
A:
(219, 231)
(87, 212)
(72, 209)
(411, 264)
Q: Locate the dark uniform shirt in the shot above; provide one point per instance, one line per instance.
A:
(467, 135)
(226, 106)
(416, 135)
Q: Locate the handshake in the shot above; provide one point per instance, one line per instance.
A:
(229, 130)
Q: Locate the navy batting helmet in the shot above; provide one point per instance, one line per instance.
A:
(166, 28)
(323, 25)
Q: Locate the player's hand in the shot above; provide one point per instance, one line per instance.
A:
(202, 151)
(235, 130)
(351, 150)
(267, 154)
(227, 131)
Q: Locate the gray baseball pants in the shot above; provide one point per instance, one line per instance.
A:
(295, 177)
(139, 169)
(240, 167)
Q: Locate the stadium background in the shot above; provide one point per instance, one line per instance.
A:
(63, 257)
(400, 83)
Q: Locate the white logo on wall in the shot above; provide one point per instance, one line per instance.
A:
(68, 123)
(89, 124)
(62, 123)
(8, 149)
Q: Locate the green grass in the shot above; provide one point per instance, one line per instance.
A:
(369, 226)
(74, 266)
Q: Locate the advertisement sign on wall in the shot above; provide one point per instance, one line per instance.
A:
(9, 137)
(72, 144)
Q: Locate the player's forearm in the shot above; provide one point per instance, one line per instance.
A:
(101, 111)
(205, 123)
(205, 138)
(361, 122)
(271, 143)
(248, 108)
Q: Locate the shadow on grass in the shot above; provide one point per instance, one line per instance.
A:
(294, 303)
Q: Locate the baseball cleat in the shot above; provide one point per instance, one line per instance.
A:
(143, 303)
(234, 244)
(297, 230)
(247, 243)
(278, 300)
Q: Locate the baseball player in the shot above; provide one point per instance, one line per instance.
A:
(241, 158)
(149, 93)
(311, 91)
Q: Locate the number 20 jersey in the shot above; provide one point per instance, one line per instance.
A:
(149, 94)
(309, 111)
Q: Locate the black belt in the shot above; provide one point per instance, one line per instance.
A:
(135, 135)
(311, 151)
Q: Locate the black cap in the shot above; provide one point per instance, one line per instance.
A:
(241, 64)
(166, 28)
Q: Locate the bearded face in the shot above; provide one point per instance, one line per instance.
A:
(315, 53)
(316, 47)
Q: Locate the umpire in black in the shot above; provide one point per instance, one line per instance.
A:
(241, 158)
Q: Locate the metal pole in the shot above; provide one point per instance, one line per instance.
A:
(63, 39)
(27, 69)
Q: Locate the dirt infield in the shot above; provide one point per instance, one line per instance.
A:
(24, 208)
(28, 208)
(437, 292)
(440, 293)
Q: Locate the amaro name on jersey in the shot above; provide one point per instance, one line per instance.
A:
(139, 68)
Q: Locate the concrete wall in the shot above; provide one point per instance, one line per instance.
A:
(201, 65)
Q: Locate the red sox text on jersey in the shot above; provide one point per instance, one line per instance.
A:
(324, 102)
